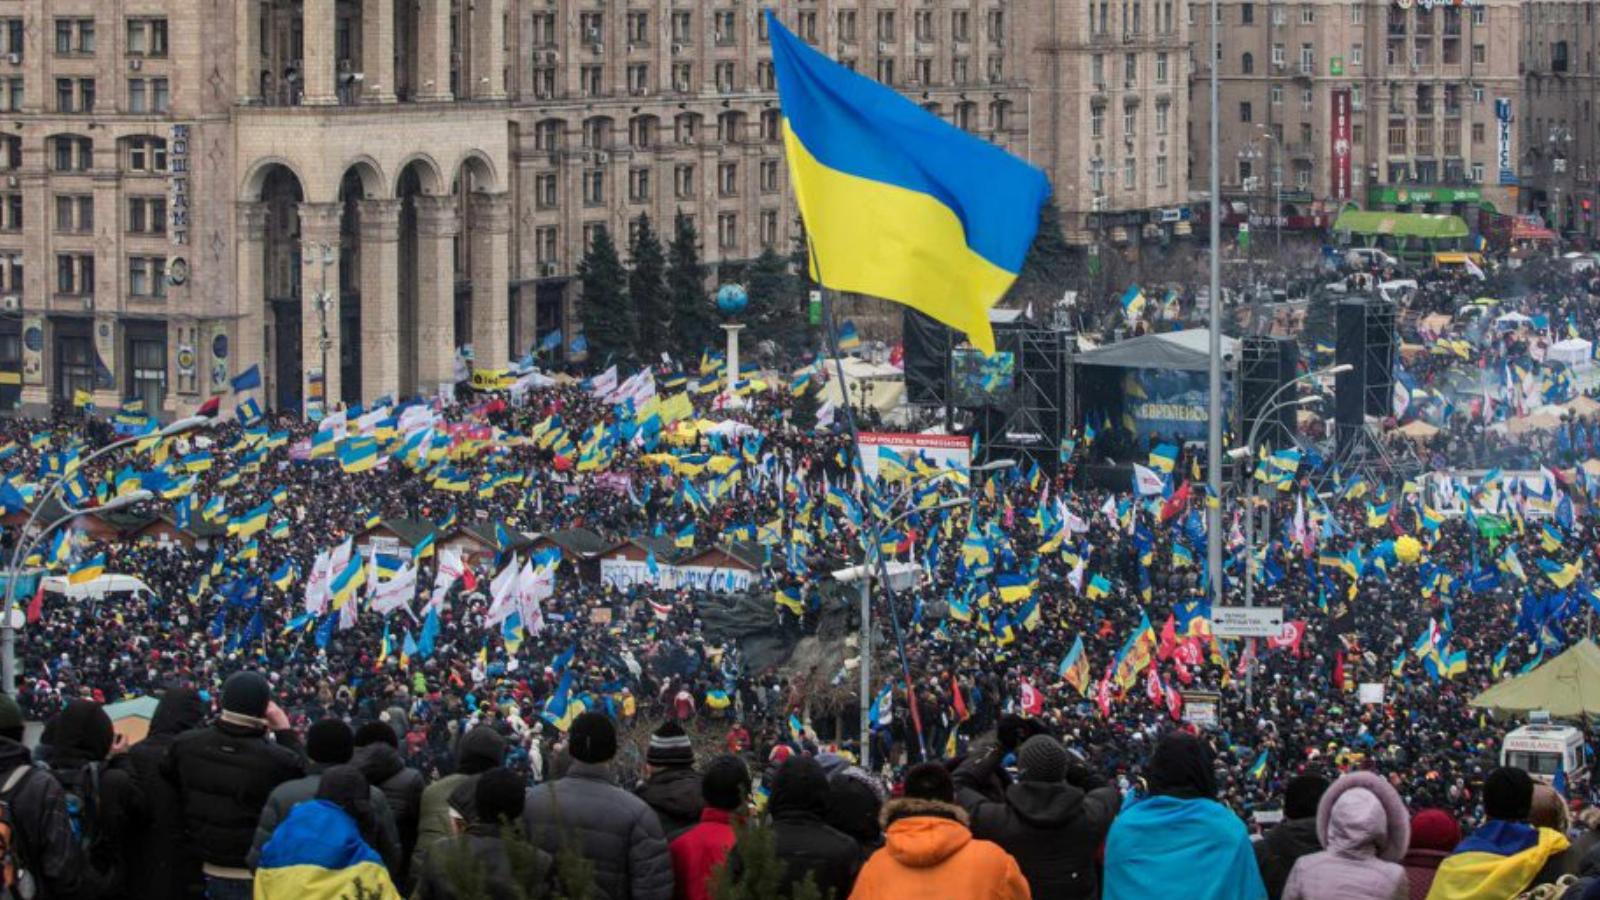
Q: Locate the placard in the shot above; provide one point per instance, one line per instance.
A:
(1370, 694)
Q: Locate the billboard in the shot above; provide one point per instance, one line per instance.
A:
(945, 450)
(1502, 115)
(1339, 134)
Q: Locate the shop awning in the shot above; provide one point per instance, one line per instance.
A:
(1418, 225)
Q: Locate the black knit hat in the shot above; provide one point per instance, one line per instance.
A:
(669, 747)
(376, 733)
(247, 694)
(593, 738)
(930, 781)
(1301, 796)
(1508, 794)
(1041, 758)
(498, 796)
(726, 784)
(329, 742)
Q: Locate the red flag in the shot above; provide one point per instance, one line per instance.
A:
(1032, 700)
(961, 705)
(1169, 639)
(1154, 689)
(916, 715)
(1189, 653)
(1174, 703)
(1289, 637)
(36, 605)
(210, 407)
(1338, 670)
(1175, 504)
(1103, 693)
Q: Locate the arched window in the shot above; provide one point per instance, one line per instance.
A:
(1247, 64)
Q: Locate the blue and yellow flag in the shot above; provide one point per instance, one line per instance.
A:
(898, 203)
(1501, 859)
(88, 570)
(317, 852)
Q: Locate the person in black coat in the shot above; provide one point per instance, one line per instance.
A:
(804, 842)
(1053, 819)
(378, 757)
(223, 775)
(497, 807)
(160, 862)
(672, 786)
(76, 747)
(39, 815)
(1295, 836)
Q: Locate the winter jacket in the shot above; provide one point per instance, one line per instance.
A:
(1366, 828)
(479, 750)
(698, 852)
(929, 852)
(485, 844)
(675, 796)
(1053, 830)
(1420, 866)
(44, 833)
(75, 749)
(613, 829)
(223, 775)
(290, 794)
(1281, 848)
(402, 786)
(160, 862)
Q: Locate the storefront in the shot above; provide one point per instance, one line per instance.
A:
(72, 345)
(144, 350)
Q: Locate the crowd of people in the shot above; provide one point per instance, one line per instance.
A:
(1081, 607)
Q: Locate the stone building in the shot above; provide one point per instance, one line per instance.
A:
(1561, 162)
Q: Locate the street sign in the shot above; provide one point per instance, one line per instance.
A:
(1246, 621)
(1200, 708)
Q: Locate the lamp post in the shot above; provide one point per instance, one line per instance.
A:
(8, 670)
(1277, 184)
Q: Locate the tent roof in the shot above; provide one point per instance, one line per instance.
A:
(1188, 350)
(1567, 686)
(1422, 225)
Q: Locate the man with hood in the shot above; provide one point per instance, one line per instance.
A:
(160, 861)
(801, 837)
(479, 750)
(1295, 836)
(378, 757)
(328, 744)
(497, 807)
(1179, 835)
(1504, 856)
(39, 809)
(671, 785)
(223, 775)
(103, 802)
(929, 851)
(1052, 819)
(1366, 828)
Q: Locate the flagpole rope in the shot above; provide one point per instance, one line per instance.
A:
(874, 558)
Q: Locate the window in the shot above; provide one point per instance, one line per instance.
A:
(1277, 95)
(544, 30)
(74, 36)
(1477, 173)
(1246, 169)
(724, 27)
(1247, 63)
(642, 132)
(1130, 116)
(922, 25)
(1130, 174)
(1358, 14)
(1305, 99)
(544, 244)
(12, 36)
(147, 276)
(1355, 96)
(547, 135)
(147, 37)
(997, 27)
(683, 181)
(592, 26)
(1308, 59)
(639, 28)
(1279, 17)
(958, 70)
(805, 26)
(959, 26)
(1477, 132)
(771, 126)
(148, 372)
(1478, 15)
(769, 227)
(1278, 56)
(1161, 68)
(996, 68)
(589, 80)
(74, 273)
(591, 233)
(885, 70)
(885, 25)
(76, 154)
(1130, 69)
(1308, 14)
(638, 78)
(727, 230)
(597, 133)
(726, 78)
(10, 94)
(544, 190)
(1161, 171)
(1478, 54)
(922, 71)
(1247, 14)
(1356, 56)
(682, 76)
(639, 185)
(1097, 176)
(1163, 110)
(728, 179)
(74, 213)
(1097, 121)
(1244, 111)
(1477, 95)
(14, 282)
(682, 27)
(11, 212)
(769, 176)
(1097, 70)
(766, 80)
(847, 26)
(684, 128)
(148, 95)
(594, 187)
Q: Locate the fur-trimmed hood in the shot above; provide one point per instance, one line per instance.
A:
(920, 834)
(906, 807)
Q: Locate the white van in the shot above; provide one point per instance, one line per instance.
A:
(1368, 257)
(1543, 750)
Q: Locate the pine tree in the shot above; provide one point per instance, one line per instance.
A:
(608, 321)
(1048, 269)
(776, 312)
(647, 288)
(694, 326)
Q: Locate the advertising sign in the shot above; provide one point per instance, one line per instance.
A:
(1502, 115)
(1340, 135)
(945, 450)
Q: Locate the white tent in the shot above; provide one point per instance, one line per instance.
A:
(1512, 320)
(1575, 352)
(95, 587)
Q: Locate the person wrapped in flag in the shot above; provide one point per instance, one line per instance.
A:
(323, 849)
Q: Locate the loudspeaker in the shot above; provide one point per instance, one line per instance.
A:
(1365, 342)
(1267, 364)
(927, 359)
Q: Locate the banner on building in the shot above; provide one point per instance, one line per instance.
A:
(1502, 115)
(1340, 136)
(105, 351)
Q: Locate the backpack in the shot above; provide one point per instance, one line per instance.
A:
(16, 882)
(81, 790)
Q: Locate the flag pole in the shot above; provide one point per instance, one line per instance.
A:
(1214, 414)
(830, 332)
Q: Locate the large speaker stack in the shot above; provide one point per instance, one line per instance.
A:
(1267, 364)
(1365, 341)
(927, 359)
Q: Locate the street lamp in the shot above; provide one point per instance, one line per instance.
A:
(8, 670)
(862, 575)
(1277, 183)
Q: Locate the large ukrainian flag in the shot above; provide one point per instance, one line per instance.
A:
(898, 203)
(317, 853)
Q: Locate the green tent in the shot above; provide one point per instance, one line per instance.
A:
(1568, 687)
(1401, 225)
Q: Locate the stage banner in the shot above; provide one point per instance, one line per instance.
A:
(1169, 404)
(946, 450)
(1339, 134)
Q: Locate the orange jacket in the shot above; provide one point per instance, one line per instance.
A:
(930, 854)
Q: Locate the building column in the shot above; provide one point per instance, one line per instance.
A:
(319, 300)
(319, 25)
(380, 298)
(250, 297)
(491, 260)
(377, 51)
(488, 51)
(437, 226)
(433, 51)
(247, 54)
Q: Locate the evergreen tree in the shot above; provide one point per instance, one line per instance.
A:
(694, 325)
(1048, 270)
(776, 312)
(647, 288)
(608, 321)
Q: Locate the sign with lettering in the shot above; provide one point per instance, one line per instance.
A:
(1502, 115)
(1340, 136)
(178, 184)
(1247, 621)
